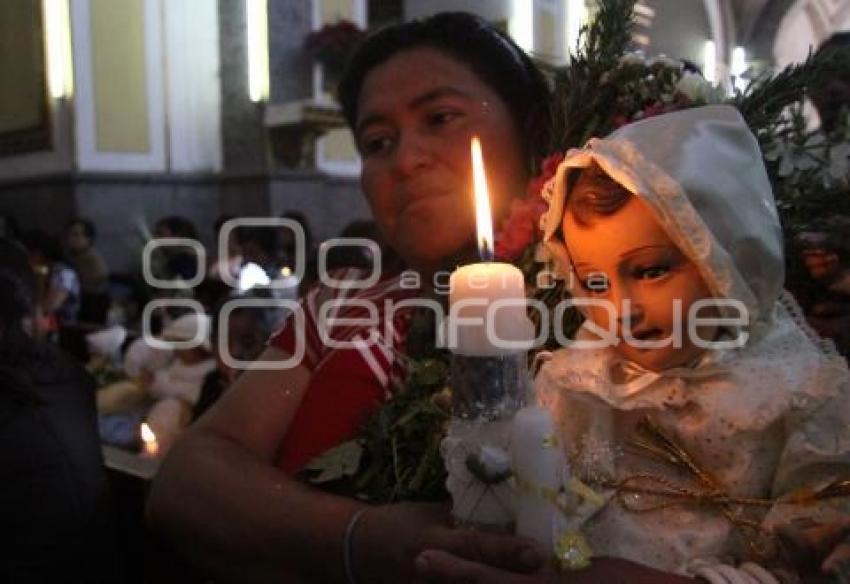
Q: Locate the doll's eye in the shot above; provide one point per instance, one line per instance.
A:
(596, 283)
(651, 272)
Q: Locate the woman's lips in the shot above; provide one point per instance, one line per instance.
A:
(413, 197)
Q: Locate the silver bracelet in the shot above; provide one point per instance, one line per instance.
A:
(346, 544)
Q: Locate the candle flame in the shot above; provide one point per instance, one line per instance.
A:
(483, 214)
(147, 434)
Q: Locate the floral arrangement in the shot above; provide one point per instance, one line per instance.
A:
(605, 87)
(334, 43)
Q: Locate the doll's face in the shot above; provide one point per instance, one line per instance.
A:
(627, 261)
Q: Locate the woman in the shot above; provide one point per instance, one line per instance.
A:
(55, 505)
(413, 95)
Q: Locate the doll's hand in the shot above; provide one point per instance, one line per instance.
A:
(439, 567)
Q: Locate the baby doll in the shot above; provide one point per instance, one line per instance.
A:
(694, 398)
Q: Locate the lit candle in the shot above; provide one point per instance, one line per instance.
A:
(150, 447)
(474, 288)
(489, 343)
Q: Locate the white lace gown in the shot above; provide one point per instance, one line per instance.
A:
(760, 421)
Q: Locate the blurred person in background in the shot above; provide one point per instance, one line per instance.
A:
(831, 94)
(246, 332)
(362, 257)
(287, 251)
(54, 502)
(59, 291)
(231, 263)
(259, 246)
(174, 261)
(91, 270)
(826, 252)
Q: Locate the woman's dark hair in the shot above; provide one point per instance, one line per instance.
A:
(490, 53)
(89, 229)
(591, 192)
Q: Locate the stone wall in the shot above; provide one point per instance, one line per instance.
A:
(121, 205)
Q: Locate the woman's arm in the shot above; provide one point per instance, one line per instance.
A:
(220, 499)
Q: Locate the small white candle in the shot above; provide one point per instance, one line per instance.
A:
(150, 447)
(540, 469)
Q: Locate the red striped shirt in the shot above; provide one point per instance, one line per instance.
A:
(348, 384)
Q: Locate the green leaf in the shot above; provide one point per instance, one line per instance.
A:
(336, 463)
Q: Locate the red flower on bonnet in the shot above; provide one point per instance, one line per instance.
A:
(522, 226)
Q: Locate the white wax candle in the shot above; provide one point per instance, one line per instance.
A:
(540, 468)
(488, 310)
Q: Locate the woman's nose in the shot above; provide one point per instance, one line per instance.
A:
(412, 153)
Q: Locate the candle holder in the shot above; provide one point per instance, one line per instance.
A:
(488, 388)
(486, 393)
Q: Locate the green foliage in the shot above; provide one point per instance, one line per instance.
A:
(582, 99)
(399, 457)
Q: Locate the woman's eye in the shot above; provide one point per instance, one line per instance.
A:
(375, 145)
(651, 272)
(442, 118)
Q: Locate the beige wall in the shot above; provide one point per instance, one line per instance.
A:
(333, 10)
(546, 43)
(337, 146)
(119, 76)
(22, 91)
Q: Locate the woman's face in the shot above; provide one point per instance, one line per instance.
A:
(416, 115)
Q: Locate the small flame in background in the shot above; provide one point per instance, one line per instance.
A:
(148, 436)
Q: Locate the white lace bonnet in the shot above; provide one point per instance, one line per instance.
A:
(702, 173)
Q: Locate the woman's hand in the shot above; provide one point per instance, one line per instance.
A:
(440, 567)
(388, 539)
